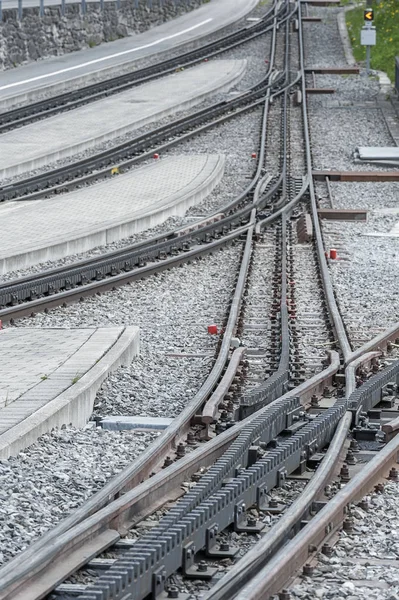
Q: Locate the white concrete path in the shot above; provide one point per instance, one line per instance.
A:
(49, 378)
(69, 133)
(34, 232)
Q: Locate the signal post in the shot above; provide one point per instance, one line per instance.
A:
(368, 35)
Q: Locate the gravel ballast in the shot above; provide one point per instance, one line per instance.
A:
(55, 475)
(364, 274)
(173, 311)
(322, 40)
(355, 571)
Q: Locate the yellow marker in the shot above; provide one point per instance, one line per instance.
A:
(115, 171)
(368, 14)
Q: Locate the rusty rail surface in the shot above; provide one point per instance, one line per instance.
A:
(255, 559)
(211, 406)
(32, 567)
(285, 564)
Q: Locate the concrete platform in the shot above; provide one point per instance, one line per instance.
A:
(59, 74)
(62, 371)
(73, 132)
(34, 232)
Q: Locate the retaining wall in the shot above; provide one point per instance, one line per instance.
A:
(34, 36)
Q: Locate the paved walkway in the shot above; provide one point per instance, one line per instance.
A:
(34, 232)
(73, 132)
(81, 68)
(49, 377)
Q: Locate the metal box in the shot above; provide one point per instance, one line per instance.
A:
(368, 36)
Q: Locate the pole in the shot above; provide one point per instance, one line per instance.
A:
(368, 48)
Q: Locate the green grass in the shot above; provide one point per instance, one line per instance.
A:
(386, 21)
(76, 378)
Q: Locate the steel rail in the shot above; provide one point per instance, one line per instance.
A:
(73, 295)
(246, 569)
(54, 280)
(210, 409)
(39, 185)
(260, 585)
(284, 126)
(327, 284)
(163, 550)
(102, 510)
(85, 278)
(382, 340)
(288, 561)
(74, 98)
(285, 209)
(240, 580)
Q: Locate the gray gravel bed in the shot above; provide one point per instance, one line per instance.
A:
(256, 330)
(254, 52)
(375, 537)
(319, 36)
(364, 275)
(152, 385)
(55, 475)
(314, 336)
(377, 197)
(236, 139)
(173, 311)
(336, 133)
(349, 90)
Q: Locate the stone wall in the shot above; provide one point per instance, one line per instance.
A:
(36, 37)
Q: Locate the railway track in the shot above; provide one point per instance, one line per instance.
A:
(123, 156)
(246, 459)
(67, 284)
(73, 99)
